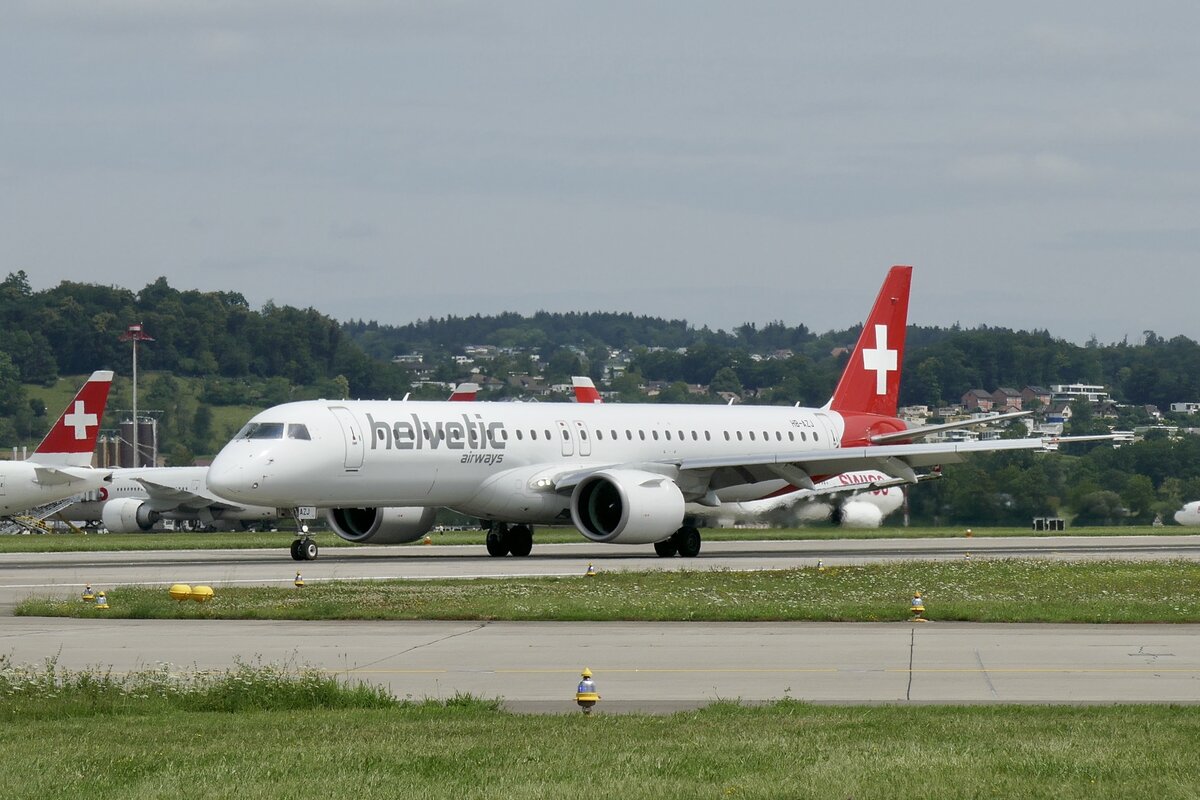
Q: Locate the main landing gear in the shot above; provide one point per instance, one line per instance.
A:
(502, 540)
(685, 542)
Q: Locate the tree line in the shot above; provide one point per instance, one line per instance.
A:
(237, 355)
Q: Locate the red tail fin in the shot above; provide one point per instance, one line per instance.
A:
(464, 393)
(585, 390)
(871, 382)
(73, 438)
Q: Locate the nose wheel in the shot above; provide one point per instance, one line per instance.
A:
(304, 549)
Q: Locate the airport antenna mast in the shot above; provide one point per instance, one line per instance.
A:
(135, 333)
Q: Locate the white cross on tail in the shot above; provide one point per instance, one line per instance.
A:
(881, 360)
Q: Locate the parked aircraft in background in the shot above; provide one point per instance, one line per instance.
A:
(138, 498)
(852, 499)
(621, 473)
(1189, 514)
(61, 465)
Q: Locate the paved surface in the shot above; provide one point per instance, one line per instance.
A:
(639, 666)
(658, 667)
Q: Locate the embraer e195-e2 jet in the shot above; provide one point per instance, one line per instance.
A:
(621, 473)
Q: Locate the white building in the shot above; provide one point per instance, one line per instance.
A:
(1079, 391)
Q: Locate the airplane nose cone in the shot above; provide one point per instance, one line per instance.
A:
(226, 480)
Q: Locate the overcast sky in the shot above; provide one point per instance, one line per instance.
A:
(1038, 163)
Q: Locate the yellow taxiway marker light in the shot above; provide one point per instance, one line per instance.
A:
(427, 540)
(180, 591)
(585, 693)
(299, 580)
(101, 600)
(590, 571)
(88, 594)
(202, 594)
(969, 533)
(918, 608)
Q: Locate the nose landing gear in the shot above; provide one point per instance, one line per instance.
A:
(304, 548)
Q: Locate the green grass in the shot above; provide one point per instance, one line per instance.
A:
(59, 741)
(1016, 590)
(182, 540)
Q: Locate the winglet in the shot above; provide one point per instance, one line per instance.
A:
(585, 390)
(73, 438)
(871, 382)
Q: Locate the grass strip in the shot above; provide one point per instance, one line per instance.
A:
(985, 590)
(154, 746)
(244, 540)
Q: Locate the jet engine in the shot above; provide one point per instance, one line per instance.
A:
(627, 506)
(381, 525)
(127, 515)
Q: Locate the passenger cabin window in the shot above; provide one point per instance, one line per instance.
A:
(532, 434)
(655, 435)
(262, 430)
(668, 435)
(298, 432)
(520, 434)
(599, 435)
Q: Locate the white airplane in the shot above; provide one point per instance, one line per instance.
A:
(61, 465)
(621, 473)
(138, 498)
(1189, 514)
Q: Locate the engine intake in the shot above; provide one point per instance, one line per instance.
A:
(627, 506)
(381, 525)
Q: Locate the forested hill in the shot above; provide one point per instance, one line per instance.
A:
(74, 328)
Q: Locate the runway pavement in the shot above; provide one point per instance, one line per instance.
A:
(658, 667)
(639, 666)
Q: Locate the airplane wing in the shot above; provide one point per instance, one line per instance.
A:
(698, 476)
(169, 498)
(57, 476)
(926, 430)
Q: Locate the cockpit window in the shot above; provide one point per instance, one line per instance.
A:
(262, 430)
(297, 432)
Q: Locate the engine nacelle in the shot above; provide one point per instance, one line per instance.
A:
(127, 515)
(381, 525)
(627, 506)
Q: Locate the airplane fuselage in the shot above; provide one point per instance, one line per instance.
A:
(21, 488)
(494, 460)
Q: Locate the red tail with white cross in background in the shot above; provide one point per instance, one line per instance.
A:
(73, 438)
